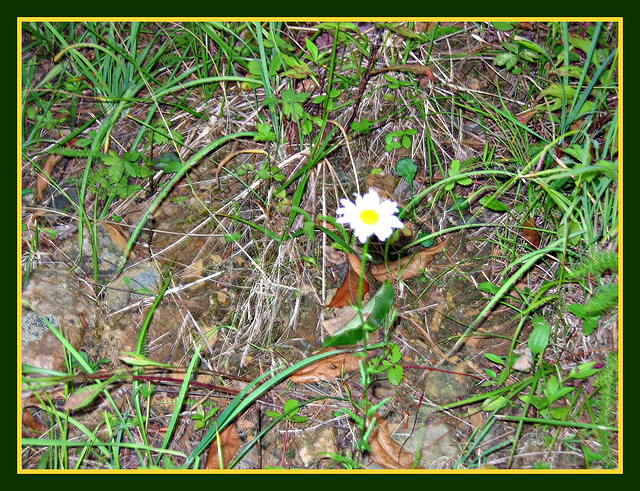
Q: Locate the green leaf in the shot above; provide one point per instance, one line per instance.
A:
(507, 60)
(291, 407)
(487, 286)
(173, 167)
(395, 355)
(364, 125)
(504, 26)
(578, 310)
(137, 360)
(589, 325)
(493, 203)
(354, 331)
(494, 404)
(264, 174)
(312, 49)
(407, 169)
(395, 375)
(494, 358)
(539, 337)
(583, 370)
(558, 91)
(265, 133)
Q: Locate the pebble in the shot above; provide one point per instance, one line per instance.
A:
(57, 296)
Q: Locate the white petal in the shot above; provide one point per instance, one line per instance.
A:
(371, 200)
(388, 207)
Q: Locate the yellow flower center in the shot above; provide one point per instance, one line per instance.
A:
(369, 217)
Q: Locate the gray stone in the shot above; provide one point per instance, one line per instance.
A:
(141, 277)
(444, 387)
(436, 443)
(54, 294)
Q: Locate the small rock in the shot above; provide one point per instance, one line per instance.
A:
(436, 443)
(111, 245)
(133, 285)
(313, 445)
(445, 387)
(57, 296)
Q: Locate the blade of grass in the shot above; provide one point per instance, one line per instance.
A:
(244, 399)
(180, 399)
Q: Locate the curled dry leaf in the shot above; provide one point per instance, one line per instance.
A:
(229, 442)
(327, 368)
(530, 234)
(42, 181)
(347, 293)
(30, 426)
(525, 117)
(406, 267)
(387, 452)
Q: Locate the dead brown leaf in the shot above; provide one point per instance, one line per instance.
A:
(347, 293)
(327, 368)
(529, 232)
(525, 117)
(406, 267)
(229, 442)
(42, 181)
(31, 427)
(387, 452)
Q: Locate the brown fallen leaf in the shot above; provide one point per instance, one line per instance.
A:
(229, 442)
(406, 267)
(525, 116)
(327, 368)
(529, 232)
(43, 178)
(31, 427)
(347, 293)
(387, 452)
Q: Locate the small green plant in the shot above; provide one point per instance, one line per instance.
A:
(407, 169)
(606, 296)
(399, 139)
(203, 419)
(289, 412)
(388, 362)
(520, 52)
(265, 133)
(95, 365)
(267, 172)
(115, 178)
(459, 178)
(607, 384)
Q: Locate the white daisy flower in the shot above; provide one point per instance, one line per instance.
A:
(369, 216)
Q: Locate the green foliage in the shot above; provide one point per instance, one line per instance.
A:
(289, 412)
(378, 308)
(301, 85)
(407, 169)
(454, 172)
(539, 337)
(202, 419)
(116, 176)
(606, 295)
(399, 139)
(389, 362)
(607, 384)
(598, 263)
(265, 133)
